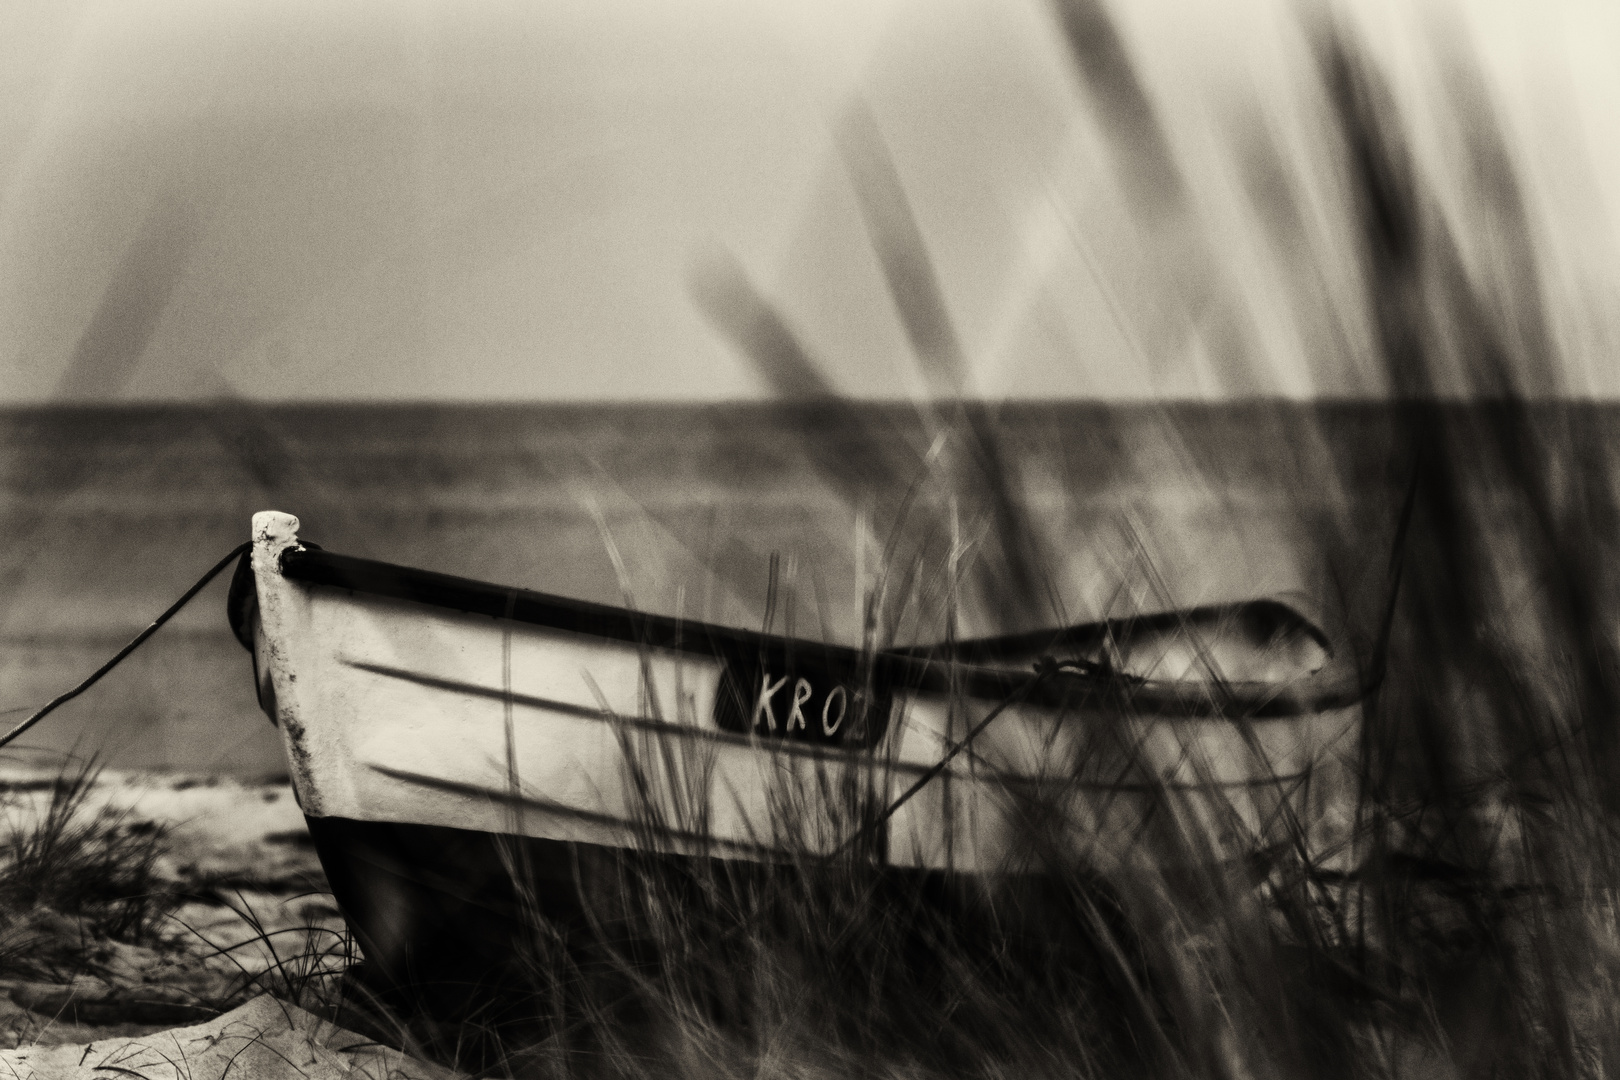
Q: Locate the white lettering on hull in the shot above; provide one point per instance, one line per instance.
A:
(762, 707)
(830, 727)
(801, 694)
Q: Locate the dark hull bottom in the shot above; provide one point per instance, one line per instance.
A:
(469, 931)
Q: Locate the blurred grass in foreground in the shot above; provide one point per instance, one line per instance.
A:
(1474, 931)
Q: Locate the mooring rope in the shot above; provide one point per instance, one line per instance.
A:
(62, 699)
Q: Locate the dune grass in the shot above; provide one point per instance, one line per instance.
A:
(93, 931)
(1463, 925)
(77, 861)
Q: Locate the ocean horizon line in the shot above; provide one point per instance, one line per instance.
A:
(1175, 404)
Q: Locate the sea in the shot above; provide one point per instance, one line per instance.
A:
(734, 513)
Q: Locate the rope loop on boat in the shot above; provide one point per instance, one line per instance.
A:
(62, 699)
(1045, 668)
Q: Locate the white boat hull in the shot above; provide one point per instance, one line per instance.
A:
(399, 711)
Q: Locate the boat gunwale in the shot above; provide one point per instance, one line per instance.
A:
(904, 670)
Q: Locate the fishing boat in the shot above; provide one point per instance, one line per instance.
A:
(441, 732)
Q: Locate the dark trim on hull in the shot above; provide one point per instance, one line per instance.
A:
(465, 931)
(428, 587)
(925, 671)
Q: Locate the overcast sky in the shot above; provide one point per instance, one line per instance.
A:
(476, 200)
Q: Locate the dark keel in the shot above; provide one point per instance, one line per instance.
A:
(456, 926)
(475, 935)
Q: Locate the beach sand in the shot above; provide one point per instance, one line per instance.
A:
(254, 911)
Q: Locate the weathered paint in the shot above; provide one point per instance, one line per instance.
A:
(282, 613)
